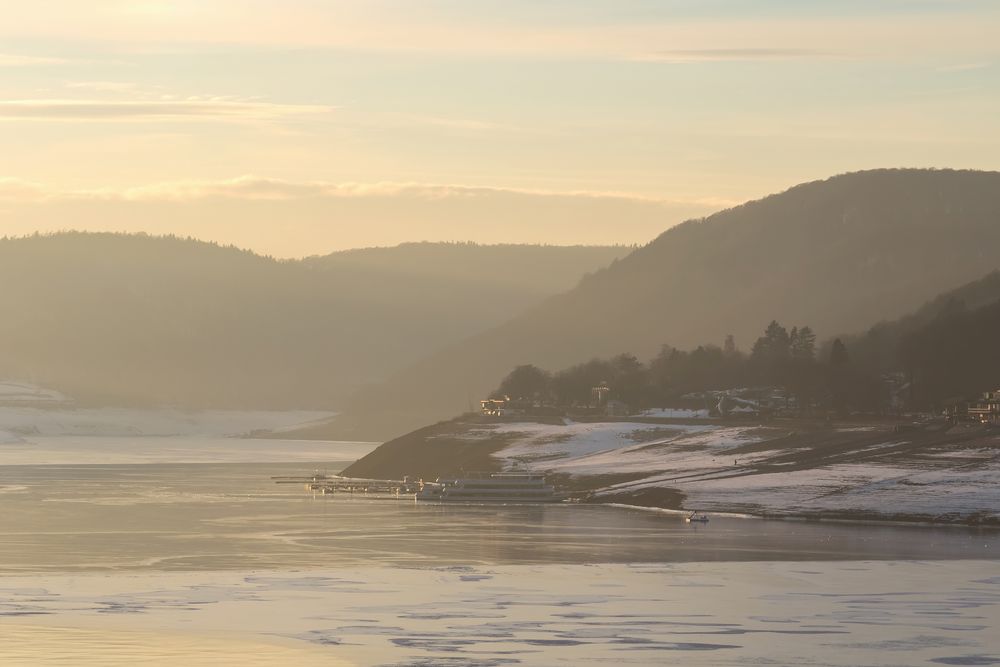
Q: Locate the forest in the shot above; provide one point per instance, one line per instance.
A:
(929, 366)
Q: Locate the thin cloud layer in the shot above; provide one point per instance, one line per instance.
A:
(17, 190)
(17, 60)
(97, 110)
(521, 28)
(681, 56)
(258, 188)
(289, 219)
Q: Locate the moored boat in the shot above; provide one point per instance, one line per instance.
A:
(502, 487)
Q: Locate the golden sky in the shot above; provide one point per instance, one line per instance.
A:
(303, 126)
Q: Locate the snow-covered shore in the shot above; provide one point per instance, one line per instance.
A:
(913, 472)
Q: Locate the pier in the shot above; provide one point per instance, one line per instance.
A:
(329, 484)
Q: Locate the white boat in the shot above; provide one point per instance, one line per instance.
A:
(497, 487)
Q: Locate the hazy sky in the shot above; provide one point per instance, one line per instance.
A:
(301, 126)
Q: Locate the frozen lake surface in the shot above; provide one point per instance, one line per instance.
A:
(847, 613)
(175, 550)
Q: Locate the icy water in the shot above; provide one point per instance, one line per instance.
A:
(183, 550)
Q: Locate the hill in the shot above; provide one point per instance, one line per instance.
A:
(878, 348)
(836, 254)
(134, 319)
(819, 463)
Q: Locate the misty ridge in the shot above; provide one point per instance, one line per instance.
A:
(840, 255)
(120, 319)
(399, 337)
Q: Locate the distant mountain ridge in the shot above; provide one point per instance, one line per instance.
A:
(838, 255)
(134, 319)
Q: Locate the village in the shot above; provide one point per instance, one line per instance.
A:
(757, 403)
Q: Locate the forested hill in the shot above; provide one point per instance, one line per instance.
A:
(839, 254)
(878, 347)
(129, 318)
(946, 349)
(504, 268)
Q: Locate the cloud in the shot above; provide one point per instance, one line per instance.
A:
(683, 56)
(191, 109)
(961, 67)
(19, 60)
(253, 187)
(14, 189)
(15, 60)
(103, 86)
(258, 188)
(900, 29)
(417, 120)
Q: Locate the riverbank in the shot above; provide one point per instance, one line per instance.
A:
(924, 473)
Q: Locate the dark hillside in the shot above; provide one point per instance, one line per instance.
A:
(878, 348)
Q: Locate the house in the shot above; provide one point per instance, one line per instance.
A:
(494, 407)
(987, 411)
(599, 394)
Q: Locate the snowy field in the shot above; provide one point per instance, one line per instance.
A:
(14, 393)
(757, 469)
(944, 494)
(619, 447)
(675, 413)
(20, 423)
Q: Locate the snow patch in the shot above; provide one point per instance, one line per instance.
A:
(675, 413)
(21, 393)
(715, 470)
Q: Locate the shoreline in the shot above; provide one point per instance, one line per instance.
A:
(917, 474)
(805, 518)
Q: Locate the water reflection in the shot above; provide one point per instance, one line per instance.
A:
(232, 516)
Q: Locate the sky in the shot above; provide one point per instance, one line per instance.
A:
(301, 127)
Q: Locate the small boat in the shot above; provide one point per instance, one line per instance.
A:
(502, 487)
(697, 517)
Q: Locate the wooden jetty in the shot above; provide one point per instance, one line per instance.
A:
(328, 484)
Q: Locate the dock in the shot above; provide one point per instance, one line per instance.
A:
(329, 484)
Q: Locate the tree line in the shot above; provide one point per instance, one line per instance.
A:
(952, 357)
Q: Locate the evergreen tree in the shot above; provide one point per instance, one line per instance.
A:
(838, 354)
(729, 346)
(525, 382)
(839, 381)
(773, 345)
(803, 344)
(629, 382)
